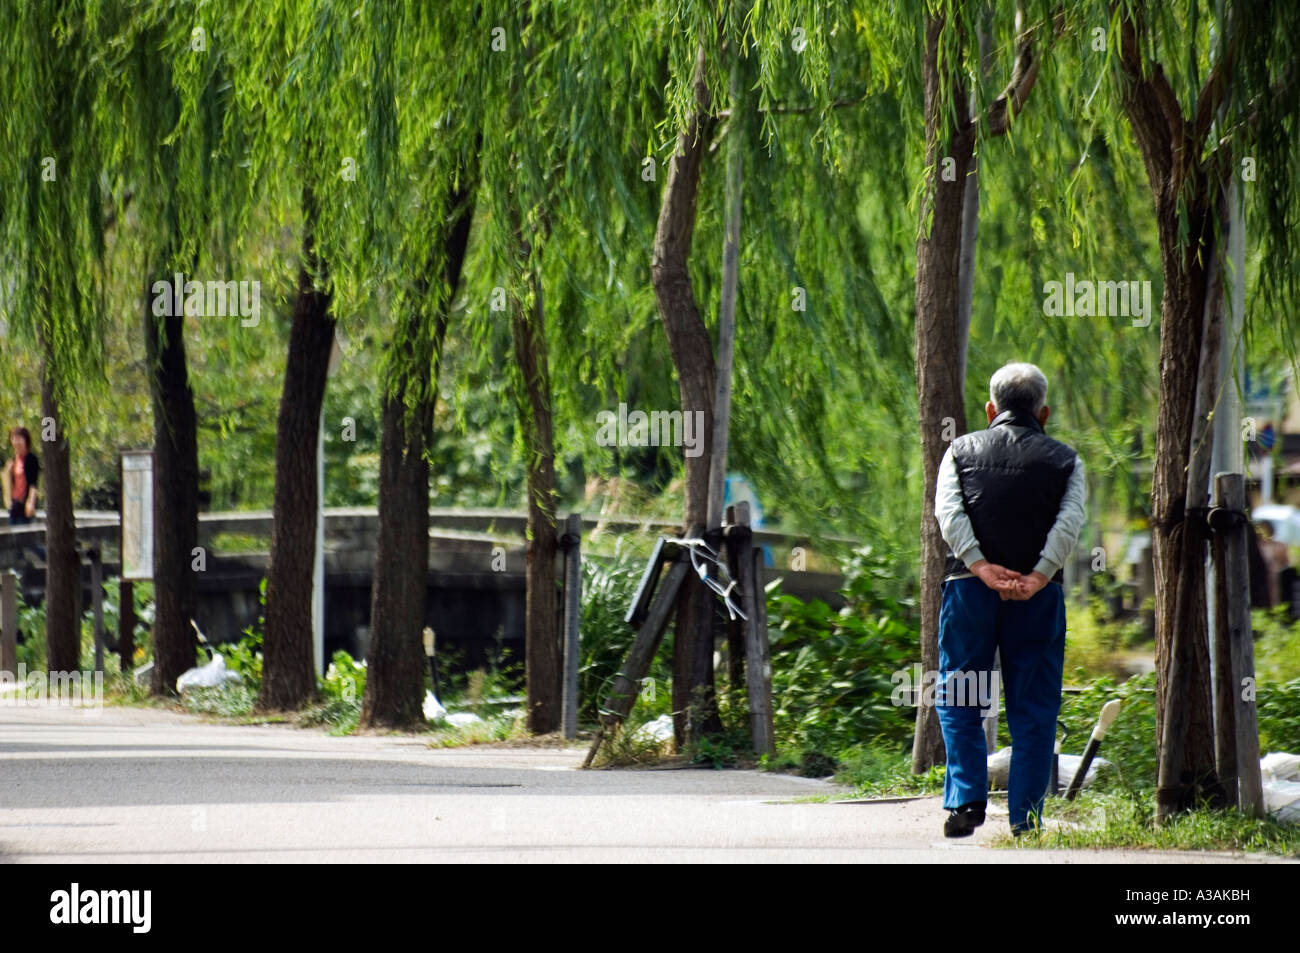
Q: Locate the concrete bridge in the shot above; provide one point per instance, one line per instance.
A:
(475, 590)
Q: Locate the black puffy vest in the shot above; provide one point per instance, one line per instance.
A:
(1013, 478)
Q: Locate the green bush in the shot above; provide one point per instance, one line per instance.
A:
(832, 671)
(143, 598)
(1277, 646)
(341, 691)
(1278, 707)
(1131, 741)
(1094, 641)
(232, 700)
(886, 769)
(608, 585)
(31, 626)
(345, 679)
(245, 656)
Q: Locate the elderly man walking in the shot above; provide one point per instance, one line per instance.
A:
(1010, 504)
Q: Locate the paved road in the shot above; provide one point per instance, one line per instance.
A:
(142, 785)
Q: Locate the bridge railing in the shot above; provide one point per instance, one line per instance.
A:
(355, 528)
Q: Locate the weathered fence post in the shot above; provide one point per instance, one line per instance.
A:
(1229, 518)
(735, 629)
(126, 626)
(97, 602)
(650, 629)
(9, 622)
(571, 546)
(758, 666)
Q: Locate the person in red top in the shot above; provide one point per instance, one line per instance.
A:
(22, 474)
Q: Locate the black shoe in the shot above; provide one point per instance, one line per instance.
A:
(963, 820)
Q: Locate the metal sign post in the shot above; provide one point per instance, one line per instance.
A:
(137, 515)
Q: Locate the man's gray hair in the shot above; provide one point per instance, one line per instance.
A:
(1018, 387)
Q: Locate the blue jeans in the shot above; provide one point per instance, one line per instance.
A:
(973, 621)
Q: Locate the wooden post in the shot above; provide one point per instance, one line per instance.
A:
(1225, 705)
(126, 626)
(760, 650)
(97, 604)
(571, 546)
(9, 622)
(735, 630)
(758, 666)
(1231, 491)
(733, 202)
(1226, 457)
(627, 683)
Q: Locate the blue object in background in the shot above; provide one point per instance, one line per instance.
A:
(737, 489)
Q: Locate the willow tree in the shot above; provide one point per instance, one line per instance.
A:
(1204, 105)
(950, 56)
(543, 92)
(432, 179)
(167, 76)
(748, 84)
(316, 89)
(53, 210)
(302, 80)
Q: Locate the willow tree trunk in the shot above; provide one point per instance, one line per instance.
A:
(692, 354)
(939, 352)
(1175, 173)
(175, 496)
(288, 668)
(541, 624)
(1179, 535)
(394, 693)
(62, 565)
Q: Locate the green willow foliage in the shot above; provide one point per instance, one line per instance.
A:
(189, 134)
(52, 207)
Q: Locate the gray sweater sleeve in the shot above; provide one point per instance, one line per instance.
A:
(950, 511)
(1064, 533)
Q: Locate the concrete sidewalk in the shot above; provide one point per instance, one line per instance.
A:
(141, 785)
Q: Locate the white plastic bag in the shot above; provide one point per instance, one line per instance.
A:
(660, 730)
(1279, 766)
(212, 675)
(433, 710)
(1000, 765)
(1282, 801)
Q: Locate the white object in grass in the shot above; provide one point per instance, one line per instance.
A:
(433, 710)
(1280, 766)
(212, 675)
(661, 729)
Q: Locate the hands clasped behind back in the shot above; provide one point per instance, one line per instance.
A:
(1008, 583)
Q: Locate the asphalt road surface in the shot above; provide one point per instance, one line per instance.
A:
(140, 785)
